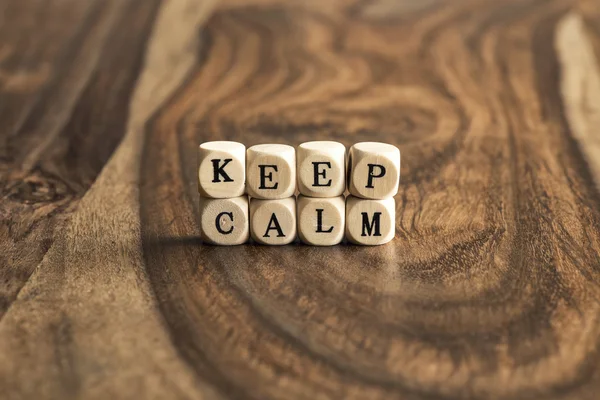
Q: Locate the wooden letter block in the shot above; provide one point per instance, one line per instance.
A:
(224, 221)
(221, 169)
(273, 221)
(370, 222)
(321, 169)
(321, 220)
(373, 170)
(271, 171)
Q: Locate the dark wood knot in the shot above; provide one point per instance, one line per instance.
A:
(38, 187)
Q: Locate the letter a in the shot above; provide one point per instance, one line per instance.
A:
(274, 224)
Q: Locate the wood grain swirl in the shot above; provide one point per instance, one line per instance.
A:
(490, 289)
(74, 326)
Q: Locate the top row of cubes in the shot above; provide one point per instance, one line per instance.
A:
(321, 169)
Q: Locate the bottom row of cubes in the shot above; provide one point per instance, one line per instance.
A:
(317, 221)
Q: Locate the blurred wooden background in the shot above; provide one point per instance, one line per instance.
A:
(490, 289)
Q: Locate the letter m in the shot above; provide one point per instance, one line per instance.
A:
(369, 226)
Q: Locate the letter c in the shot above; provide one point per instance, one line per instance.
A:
(218, 222)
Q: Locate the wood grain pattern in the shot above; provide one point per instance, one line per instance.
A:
(75, 328)
(53, 143)
(489, 290)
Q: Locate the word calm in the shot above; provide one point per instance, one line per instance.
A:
(252, 193)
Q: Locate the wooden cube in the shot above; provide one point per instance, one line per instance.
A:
(221, 169)
(273, 221)
(271, 171)
(321, 169)
(373, 170)
(225, 221)
(321, 220)
(370, 222)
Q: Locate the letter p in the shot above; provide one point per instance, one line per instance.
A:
(380, 174)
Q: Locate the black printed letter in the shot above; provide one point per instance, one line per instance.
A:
(367, 229)
(274, 224)
(219, 170)
(372, 175)
(268, 176)
(322, 173)
(320, 222)
(218, 222)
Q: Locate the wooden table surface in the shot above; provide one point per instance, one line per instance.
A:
(490, 289)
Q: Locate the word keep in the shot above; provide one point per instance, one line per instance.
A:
(251, 193)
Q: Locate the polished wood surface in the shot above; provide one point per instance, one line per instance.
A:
(489, 290)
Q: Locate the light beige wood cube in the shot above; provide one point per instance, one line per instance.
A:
(373, 170)
(271, 171)
(221, 169)
(273, 222)
(321, 169)
(370, 222)
(225, 221)
(321, 220)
